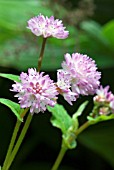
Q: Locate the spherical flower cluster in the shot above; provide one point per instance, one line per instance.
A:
(35, 91)
(105, 100)
(47, 27)
(80, 73)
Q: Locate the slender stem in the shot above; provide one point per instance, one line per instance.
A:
(24, 112)
(16, 129)
(19, 141)
(59, 158)
(18, 123)
(41, 54)
(81, 128)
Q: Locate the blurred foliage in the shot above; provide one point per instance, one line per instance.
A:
(19, 49)
(98, 42)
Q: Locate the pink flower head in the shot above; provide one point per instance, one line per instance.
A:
(104, 97)
(35, 91)
(63, 86)
(83, 74)
(47, 27)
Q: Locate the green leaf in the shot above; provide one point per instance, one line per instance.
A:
(75, 123)
(63, 121)
(60, 117)
(70, 137)
(10, 76)
(13, 106)
(80, 110)
(100, 118)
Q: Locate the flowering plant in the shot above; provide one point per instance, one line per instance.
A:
(36, 92)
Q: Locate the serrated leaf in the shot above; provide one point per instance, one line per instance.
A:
(100, 118)
(10, 76)
(15, 108)
(60, 118)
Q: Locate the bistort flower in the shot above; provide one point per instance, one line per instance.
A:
(83, 74)
(78, 76)
(35, 90)
(47, 27)
(105, 100)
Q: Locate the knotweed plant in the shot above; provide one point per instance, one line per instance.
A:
(36, 92)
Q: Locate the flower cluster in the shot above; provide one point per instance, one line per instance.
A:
(104, 99)
(78, 76)
(47, 27)
(35, 91)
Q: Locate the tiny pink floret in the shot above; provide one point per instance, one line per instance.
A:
(103, 95)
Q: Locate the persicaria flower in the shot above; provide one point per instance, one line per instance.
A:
(105, 100)
(79, 74)
(35, 90)
(47, 27)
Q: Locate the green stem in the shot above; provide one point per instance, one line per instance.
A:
(19, 141)
(65, 148)
(16, 129)
(59, 158)
(18, 123)
(24, 112)
(81, 128)
(78, 131)
(41, 54)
